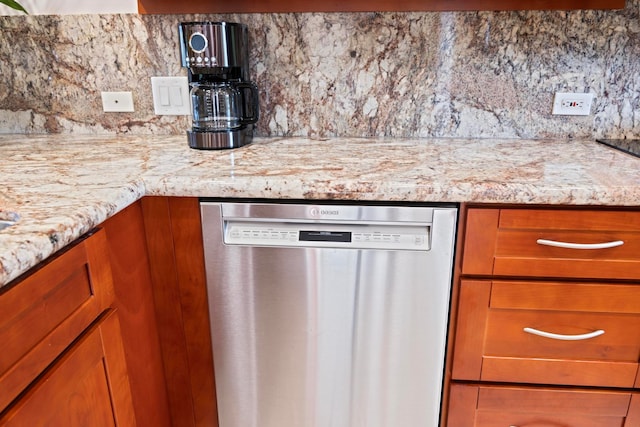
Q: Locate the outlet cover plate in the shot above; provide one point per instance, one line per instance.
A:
(117, 102)
(171, 96)
(572, 104)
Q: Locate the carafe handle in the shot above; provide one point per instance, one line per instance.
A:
(250, 110)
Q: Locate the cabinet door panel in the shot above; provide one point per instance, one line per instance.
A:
(506, 336)
(571, 296)
(134, 300)
(518, 254)
(87, 386)
(558, 371)
(45, 311)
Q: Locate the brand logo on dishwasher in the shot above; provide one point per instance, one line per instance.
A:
(322, 212)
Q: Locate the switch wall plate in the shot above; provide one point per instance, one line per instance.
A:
(117, 102)
(572, 104)
(171, 96)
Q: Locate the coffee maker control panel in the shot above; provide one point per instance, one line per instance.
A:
(198, 44)
(209, 45)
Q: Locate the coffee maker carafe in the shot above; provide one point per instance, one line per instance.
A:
(224, 100)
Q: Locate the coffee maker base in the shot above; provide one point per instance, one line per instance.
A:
(220, 140)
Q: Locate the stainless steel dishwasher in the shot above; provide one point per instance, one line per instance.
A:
(328, 315)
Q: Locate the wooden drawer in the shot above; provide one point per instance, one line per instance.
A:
(510, 242)
(44, 311)
(491, 406)
(492, 344)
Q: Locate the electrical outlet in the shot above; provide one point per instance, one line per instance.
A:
(572, 104)
(117, 102)
(171, 95)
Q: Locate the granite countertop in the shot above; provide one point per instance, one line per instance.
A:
(58, 187)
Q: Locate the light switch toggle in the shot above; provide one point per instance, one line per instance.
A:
(170, 95)
(164, 96)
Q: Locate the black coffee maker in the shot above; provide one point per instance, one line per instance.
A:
(224, 100)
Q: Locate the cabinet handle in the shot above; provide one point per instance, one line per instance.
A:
(564, 337)
(567, 245)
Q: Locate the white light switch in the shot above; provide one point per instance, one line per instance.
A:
(170, 95)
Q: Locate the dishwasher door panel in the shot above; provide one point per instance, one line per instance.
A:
(324, 337)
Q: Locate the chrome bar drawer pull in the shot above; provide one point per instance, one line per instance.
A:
(567, 245)
(564, 337)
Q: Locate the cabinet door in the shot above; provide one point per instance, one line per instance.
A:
(44, 311)
(87, 386)
(491, 406)
(136, 312)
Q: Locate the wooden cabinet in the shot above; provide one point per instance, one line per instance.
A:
(529, 242)
(174, 241)
(584, 334)
(86, 386)
(114, 329)
(134, 300)
(490, 406)
(547, 298)
(62, 357)
(278, 6)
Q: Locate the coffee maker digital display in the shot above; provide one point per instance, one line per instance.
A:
(224, 100)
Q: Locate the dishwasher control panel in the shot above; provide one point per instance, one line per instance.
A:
(327, 235)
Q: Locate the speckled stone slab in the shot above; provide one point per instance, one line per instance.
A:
(58, 187)
(451, 74)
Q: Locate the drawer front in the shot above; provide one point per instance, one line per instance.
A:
(553, 243)
(45, 311)
(548, 333)
(490, 406)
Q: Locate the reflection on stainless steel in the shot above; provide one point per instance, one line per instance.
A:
(342, 324)
(218, 140)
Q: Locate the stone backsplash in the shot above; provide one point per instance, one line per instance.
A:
(452, 74)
